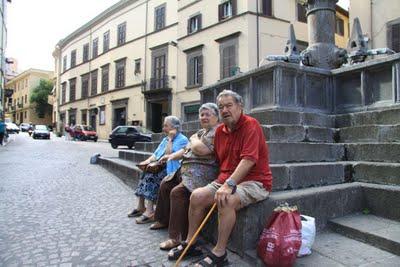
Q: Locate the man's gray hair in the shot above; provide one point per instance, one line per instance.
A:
(174, 121)
(238, 99)
(210, 106)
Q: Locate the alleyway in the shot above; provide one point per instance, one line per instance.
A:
(58, 210)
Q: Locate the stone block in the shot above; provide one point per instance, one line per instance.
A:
(286, 133)
(304, 152)
(389, 116)
(317, 119)
(359, 134)
(383, 200)
(378, 173)
(271, 117)
(373, 152)
(320, 134)
(281, 177)
(308, 175)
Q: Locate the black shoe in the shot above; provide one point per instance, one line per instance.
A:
(135, 213)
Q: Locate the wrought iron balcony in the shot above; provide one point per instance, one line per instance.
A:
(157, 84)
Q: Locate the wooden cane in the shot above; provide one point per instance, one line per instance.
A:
(195, 234)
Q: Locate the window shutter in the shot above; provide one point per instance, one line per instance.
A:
(396, 37)
(200, 68)
(199, 22)
(188, 26)
(220, 11)
(234, 7)
(191, 71)
(267, 7)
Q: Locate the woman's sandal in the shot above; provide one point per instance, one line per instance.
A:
(136, 213)
(157, 225)
(193, 251)
(145, 219)
(169, 244)
(211, 260)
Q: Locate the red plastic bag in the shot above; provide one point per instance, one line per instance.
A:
(280, 240)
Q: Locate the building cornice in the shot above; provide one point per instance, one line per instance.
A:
(96, 20)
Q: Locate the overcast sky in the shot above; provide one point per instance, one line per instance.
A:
(35, 27)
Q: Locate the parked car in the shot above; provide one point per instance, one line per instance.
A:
(128, 135)
(83, 132)
(24, 127)
(12, 127)
(41, 131)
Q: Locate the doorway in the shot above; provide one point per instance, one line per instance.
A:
(119, 117)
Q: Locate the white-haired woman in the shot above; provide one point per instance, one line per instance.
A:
(149, 184)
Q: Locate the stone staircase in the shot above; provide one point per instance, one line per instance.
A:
(330, 166)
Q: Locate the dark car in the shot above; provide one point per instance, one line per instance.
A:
(128, 135)
(41, 131)
(83, 133)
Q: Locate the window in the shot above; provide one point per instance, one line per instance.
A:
(102, 115)
(85, 85)
(121, 33)
(159, 78)
(159, 17)
(104, 77)
(339, 29)
(64, 63)
(191, 112)
(73, 58)
(120, 73)
(63, 92)
(26, 99)
(25, 115)
(72, 89)
(84, 117)
(267, 7)
(301, 13)
(106, 41)
(95, 47)
(194, 68)
(194, 24)
(393, 35)
(85, 52)
(227, 9)
(228, 56)
(137, 66)
(93, 83)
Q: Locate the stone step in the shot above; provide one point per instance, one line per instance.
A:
(376, 172)
(286, 176)
(303, 175)
(324, 203)
(379, 152)
(272, 117)
(377, 231)
(299, 133)
(123, 169)
(327, 252)
(134, 156)
(380, 117)
(279, 152)
(370, 133)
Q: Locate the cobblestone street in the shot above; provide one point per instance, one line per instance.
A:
(58, 210)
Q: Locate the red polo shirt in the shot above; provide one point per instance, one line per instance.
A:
(247, 141)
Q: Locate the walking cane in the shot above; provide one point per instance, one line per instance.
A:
(196, 234)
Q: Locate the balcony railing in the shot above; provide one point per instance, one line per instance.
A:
(156, 84)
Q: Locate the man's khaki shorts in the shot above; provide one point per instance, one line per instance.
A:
(249, 192)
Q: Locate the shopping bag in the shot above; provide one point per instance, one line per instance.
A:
(280, 240)
(307, 235)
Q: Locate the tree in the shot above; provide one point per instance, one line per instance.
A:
(39, 97)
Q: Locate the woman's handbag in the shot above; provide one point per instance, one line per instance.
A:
(152, 167)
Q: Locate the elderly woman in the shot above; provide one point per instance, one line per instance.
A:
(198, 169)
(150, 182)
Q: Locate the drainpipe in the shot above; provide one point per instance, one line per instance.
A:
(258, 36)
(145, 63)
(371, 25)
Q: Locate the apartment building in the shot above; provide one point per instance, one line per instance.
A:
(18, 107)
(380, 21)
(141, 60)
(3, 61)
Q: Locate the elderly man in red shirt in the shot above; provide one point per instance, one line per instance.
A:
(244, 178)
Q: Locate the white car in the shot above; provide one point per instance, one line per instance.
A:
(24, 127)
(12, 127)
